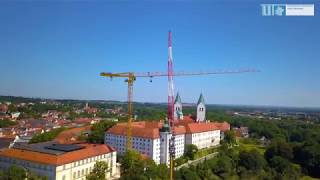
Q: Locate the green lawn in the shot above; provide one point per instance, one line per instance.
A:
(247, 147)
(204, 152)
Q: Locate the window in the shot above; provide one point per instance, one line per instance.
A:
(78, 173)
(74, 175)
(64, 177)
(82, 172)
(64, 167)
(86, 170)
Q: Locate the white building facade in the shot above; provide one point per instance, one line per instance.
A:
(71, 165)
(204, 139)
(145, 145)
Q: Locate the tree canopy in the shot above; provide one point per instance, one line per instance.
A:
(46, 136)
(98, 131)
(190, 150)
(135, 167)
(17, 173)
(99, 171)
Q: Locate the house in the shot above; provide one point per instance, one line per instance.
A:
(242, 131)
(71, 136)
(15, 115)
(85, 121)
(3, 108)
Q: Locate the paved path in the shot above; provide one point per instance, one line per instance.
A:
(197, 161)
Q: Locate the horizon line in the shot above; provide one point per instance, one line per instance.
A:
(248, 105)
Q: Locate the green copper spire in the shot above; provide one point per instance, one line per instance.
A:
(178, 99)
(201, 99)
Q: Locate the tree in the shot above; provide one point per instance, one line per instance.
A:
(230, 138)
(6, 123)
(284, 169)
(308, 156)
(47, 136)
(132, 166)
(204, 171)
(98, 131)
(98, 172)
(223, 165)
(162, 171)
(188, 174)
(190, 150)
(15, 173)
(279, 148)
(251, 160)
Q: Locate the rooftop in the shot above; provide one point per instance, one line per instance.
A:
(151, 129)
(55, 154)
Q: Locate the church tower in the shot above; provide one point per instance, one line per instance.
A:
(201, 109)
(165, 136)
(178, 115)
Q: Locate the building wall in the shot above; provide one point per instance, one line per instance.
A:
(79, 169)
(204, 139)
(147, 146)
(117, 141)
(38, 168)
(179, 145)
(164, 147)
(71, 171)
(156, 150)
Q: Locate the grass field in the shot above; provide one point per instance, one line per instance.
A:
(204, 152)
(249, 146)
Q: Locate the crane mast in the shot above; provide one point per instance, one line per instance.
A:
(170, 105)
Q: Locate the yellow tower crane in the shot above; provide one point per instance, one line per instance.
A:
(130, 78)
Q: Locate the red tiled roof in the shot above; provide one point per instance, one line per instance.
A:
(3, 108)
(139, 129)
(224, 126)
(83, 120)
(70, 135)
(89, 151)
(151, 129)
(188, 118)
(179, 130)
(200, 127)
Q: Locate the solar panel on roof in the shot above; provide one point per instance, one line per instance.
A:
(65, 147)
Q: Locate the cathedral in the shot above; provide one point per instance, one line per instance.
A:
(152, 138)
(201, 109)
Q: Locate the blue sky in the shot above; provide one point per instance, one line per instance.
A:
(57, 50)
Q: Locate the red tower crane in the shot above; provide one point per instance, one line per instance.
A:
(131, 77)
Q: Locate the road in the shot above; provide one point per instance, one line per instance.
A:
(197, 161)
